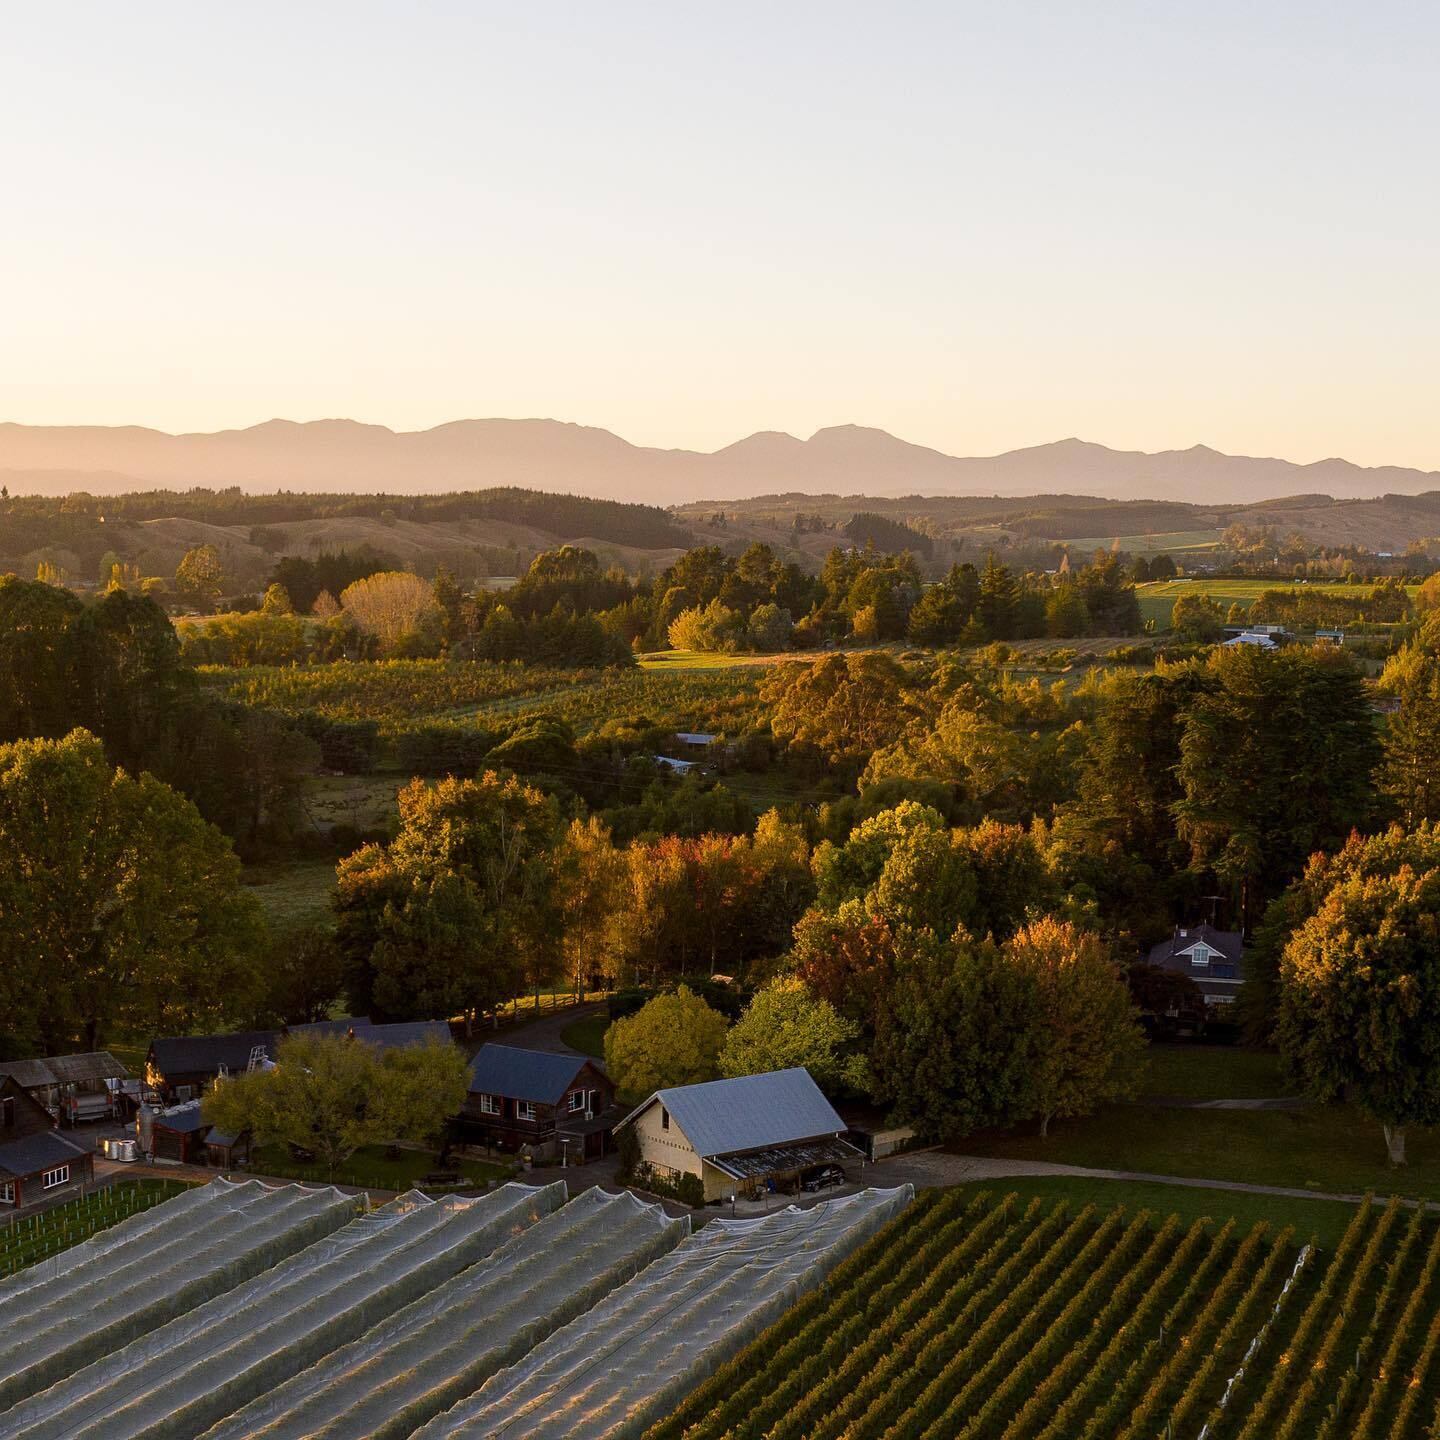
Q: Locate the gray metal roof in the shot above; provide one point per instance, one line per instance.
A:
(28, 1074)
(754, 1112)
(1171, 954)
(96, 1065)
(406, 1032)
(541, 1076)
(34, 1153)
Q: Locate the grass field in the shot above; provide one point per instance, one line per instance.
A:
(1158, 598)
(1322, 1148)
(1172, 542)
(1213, 1072)
(1010, 1318)
(293, 895)
(588, 1035)
(372, 1167)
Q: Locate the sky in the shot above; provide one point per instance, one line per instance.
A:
(978, 226)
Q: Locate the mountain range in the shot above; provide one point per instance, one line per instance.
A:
(347, 456)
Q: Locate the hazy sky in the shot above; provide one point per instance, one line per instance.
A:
(977, 225)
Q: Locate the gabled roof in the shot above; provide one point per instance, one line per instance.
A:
(28, 1074)
(96, 1065)
(754, 1112)
(406, 1032)
(34, 1153)
(540, 1076)
(1171, 954)
(192, 1054)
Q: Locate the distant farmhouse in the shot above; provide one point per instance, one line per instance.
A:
(741, 1136)
(557, 1106)
(1213, 959)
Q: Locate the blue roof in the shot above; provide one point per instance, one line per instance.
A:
(753, 1112)
(33, 1153)
(541, 1076)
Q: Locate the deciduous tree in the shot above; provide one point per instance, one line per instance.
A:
(674, 1039)
(784, 1026)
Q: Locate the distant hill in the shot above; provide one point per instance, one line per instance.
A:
(345, 456)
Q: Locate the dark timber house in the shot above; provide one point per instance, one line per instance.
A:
(557, 1106)
(36, 1161)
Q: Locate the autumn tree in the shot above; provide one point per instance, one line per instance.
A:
(590, 891)
(391, 606)
(120, 905)
(1360, 1000)
(674, 1039)
(785, 1026)
(1089, 1044)
(331, 1095)
(200, 576)
(844, 706)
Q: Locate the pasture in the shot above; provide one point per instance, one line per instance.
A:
(1157, 599)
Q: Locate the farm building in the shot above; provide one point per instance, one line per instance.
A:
(1213, 959)
(179, 1068)
(36, 1161)
(741, 1135)
(558, 1106)
(73, 1088)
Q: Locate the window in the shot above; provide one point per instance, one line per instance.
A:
(7, 1192)
(489, 1104)
(577, 1101)
(1201, 954)
(7, 1112)
(524, 1110)
(60, 1175)
(664, 1118)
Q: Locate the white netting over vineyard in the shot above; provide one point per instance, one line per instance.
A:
(194, 1371)
(614, 1370)
(88, 1302)
(443, 1348)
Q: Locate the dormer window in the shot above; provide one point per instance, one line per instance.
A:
(1201, 954)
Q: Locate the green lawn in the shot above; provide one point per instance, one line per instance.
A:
(293, 895)
(1213, 1072)
(588, 1035)
(1172, 542)
(371, 1168)
(1328, 1148)
(1325, 1219)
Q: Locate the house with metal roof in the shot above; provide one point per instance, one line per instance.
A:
(36, 1161)
(1213, 959)
(742, 1135)
(556, 1105)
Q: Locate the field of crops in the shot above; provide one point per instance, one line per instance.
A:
(403, 694)
(26, 1239)
(972, 1317)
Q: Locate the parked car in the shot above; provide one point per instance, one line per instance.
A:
(822, 1179)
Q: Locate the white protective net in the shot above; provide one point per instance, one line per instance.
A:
(441, 1349)
(149, 1270)
(183, 1377)
(616, 1369)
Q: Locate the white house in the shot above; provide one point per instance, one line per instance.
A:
(738, 1135)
